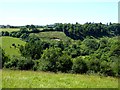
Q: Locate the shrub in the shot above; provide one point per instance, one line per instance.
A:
(25, 63)
(64, 63)
(5, 33)
(93, 64)
(109, 68)
(12, 63)
(49, 58)
(79, 65)
(21, 63)
(3, 57)
(36, 65)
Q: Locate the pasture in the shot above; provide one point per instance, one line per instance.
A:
(36, 79)
(9, 29)
(53, 35)
(6, 43)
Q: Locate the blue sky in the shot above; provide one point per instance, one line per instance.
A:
(42, 12)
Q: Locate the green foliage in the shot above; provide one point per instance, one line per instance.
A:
(12, 63)
(64, 63)
(79, 65)
(32, 49)
(93, 64)
(3, 57)
(89, 46)
(53, 60)
(21, 63)
(5, 33)
(92, 47)
(49, 59)
(25, 63)
(109, 68)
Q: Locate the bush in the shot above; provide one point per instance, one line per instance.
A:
(12, 63)
(3, 57)
(109, 68)
(5, 33)
(21, 63)
(93, 64)
(49, 59)
(36, 65)
(64, 63)
(79, 65)
(55, 62)
(25, 63)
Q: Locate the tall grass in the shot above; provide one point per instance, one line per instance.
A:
(32, 79)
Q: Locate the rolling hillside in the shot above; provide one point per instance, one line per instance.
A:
(53, 35)
(6, 43)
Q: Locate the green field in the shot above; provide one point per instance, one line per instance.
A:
(9, 29)
(32, 79)
(6, 43)
(53, 35)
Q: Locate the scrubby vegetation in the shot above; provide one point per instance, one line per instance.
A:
(90, 48)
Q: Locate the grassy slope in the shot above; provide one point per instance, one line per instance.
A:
(32, 79)
(7, 43)
(9, 29)
(53, 34)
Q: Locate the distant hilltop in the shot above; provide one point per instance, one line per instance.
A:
(11, 26)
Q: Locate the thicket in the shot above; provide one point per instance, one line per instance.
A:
(96, 51)
(77, 57)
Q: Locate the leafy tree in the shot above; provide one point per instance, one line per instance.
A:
(5, 33)
(93, 64)
(12, 63)
(4, 58)
(25, 63)
(79, 65)
(64, 63)
(89, 46)
(32, 49)
(49, 59)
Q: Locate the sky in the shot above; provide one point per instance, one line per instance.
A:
(43, 12)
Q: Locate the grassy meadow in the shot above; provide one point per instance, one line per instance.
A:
(6, 43)
(53, 35)
(9, 29)
(33, 79)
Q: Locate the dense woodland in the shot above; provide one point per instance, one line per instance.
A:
(93, 48)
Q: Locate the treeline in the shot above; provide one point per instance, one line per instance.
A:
(23, 33)
(91, 55)
(11, 26)
(75, 31)
(78, 31)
